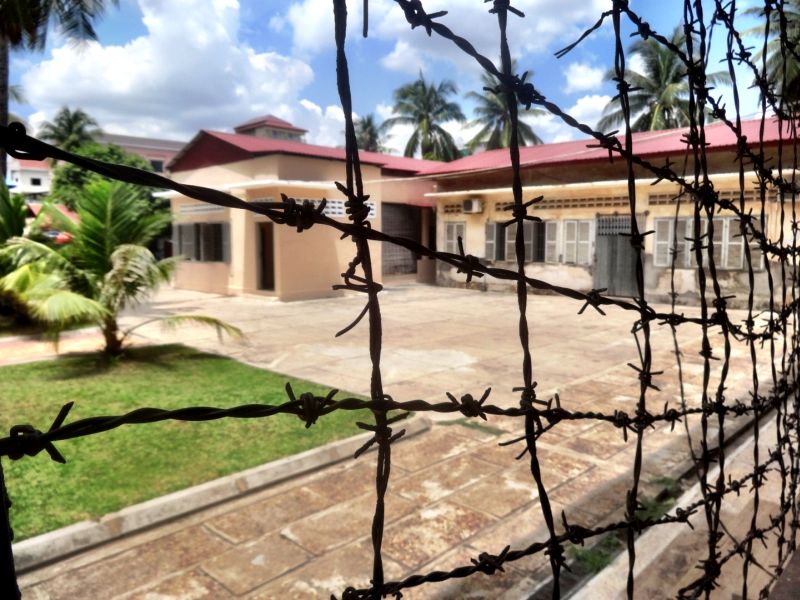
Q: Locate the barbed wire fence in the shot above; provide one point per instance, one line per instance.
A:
(772, 397)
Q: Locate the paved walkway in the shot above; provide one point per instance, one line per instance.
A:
(454, 492)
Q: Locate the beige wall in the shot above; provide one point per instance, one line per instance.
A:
(306, 264)
(210, 277)
(579, 276)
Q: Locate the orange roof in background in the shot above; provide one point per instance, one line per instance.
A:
(268, 121)
(251, 146)
(39, 165)
(36, 208)
(645, 144)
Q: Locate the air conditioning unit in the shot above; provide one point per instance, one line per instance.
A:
(472, 206)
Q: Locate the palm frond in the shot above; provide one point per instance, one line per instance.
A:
(175, 321)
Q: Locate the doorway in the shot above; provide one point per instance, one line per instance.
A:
(615, 269)
(266, 257)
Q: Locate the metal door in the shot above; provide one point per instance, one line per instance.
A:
(615, 268)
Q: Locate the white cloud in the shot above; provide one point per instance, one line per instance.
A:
(587, 110)
(188, 72)
(582, 77)
(548, 20)
(404, 58)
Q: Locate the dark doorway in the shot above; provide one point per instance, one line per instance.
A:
(266, 256)
(616, 258)
(403, 221)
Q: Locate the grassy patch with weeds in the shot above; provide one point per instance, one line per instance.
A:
(655, 508)
(114, 469)
(593, 559)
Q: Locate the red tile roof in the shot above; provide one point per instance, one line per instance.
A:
(645, 144)
(38, 165)
(250, 146)
(36, 208)
(268, 121)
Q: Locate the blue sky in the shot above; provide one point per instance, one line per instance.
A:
(166, 68)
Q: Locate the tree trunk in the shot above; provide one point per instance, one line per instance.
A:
(3, 98)
(112, 337)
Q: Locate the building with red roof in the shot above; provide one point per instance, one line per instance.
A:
(585, 207)
(234, 252)
(579, 240)
(29, 177)
(270, 126)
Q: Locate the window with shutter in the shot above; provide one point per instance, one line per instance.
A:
(662, 242)
(570, 241)
(551, 242)
(453, 231)
(584, 242)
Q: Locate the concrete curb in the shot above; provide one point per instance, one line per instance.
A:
(54, 545)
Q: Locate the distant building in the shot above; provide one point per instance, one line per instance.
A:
(234, 252)
(272, 128)
(158, 152)
(584, 217)
(30, 178)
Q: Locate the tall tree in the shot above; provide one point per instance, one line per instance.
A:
(24, 23)
(70, 129)
(494, 118)
(787, 86)
(368, 134)
(660, 95)
(425, 106)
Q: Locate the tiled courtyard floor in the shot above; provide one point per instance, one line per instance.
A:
(453, 493)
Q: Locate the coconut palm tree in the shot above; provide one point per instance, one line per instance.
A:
(660, 95)
(70, 129)
(24, 24)
(13, 212)
(105, 268)
(425, 106)
(494, 118)
(368, 134)
(788, 87)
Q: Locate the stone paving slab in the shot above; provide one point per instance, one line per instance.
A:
(453, 494)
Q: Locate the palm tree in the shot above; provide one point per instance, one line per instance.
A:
(24, 23)
(788, 88)
(70, 129)
(495, 120)
(104, 269)
(425, 107)
(660, 95)
(368, 134)
(13, 211)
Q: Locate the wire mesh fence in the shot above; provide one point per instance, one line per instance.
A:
(773, 395)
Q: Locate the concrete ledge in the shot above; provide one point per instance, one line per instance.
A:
(54, 545)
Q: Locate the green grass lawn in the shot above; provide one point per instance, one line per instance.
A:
(111, 470)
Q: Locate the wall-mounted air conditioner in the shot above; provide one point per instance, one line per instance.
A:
(472, 206)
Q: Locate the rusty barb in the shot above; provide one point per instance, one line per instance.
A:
(774, 393)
